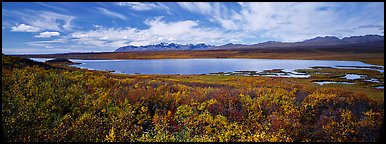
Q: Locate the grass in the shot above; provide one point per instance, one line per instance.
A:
(262, 81)
(55, 102)
(359, 86)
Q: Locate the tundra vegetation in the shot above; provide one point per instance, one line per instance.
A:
(48, 102)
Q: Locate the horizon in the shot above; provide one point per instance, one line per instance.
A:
(60, 27)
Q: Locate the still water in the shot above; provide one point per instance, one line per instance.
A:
(206, 66)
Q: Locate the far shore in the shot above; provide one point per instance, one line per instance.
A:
(376, 58)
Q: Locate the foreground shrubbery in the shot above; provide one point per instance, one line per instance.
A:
(57, 105)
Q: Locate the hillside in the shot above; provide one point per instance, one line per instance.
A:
(318, 42)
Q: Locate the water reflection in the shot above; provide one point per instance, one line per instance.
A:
(207, 66)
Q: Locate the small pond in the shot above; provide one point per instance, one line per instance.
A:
(332, 82)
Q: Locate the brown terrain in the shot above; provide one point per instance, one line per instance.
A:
(371, 56)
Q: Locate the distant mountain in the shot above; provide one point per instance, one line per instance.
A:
(323, 42)
(327, 41)
(330, 40)
(164, 46)
(363, 39)
(231, 46)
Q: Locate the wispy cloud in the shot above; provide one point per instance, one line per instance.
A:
(47, 4)
(369, 26)
(142, 6)
(47, 49)
(62, 39)
(44, 20)
(198, 7)
(216, 12)
(97, 26)
(213, 23)
(292, 21)
(51, 20)
(111, 13)
(24, 28)
(47, 34)
(59, 42)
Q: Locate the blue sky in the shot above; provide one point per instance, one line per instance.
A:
(60, 27)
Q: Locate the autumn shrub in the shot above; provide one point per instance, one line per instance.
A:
(42, 103)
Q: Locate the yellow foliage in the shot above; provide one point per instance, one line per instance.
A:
(111, 136)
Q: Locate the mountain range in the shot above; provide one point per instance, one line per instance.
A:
(327, 41)
(165, 46)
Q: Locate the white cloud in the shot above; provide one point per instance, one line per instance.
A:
(60, 42)
(142, 6)
(106, 34)
(119, 43)
(111, 13)
(63, 44)
(198, 7)
(216, 12)
(24, 28)
(52, 21)
(286, 21)
(45, 20)
(52, 7)
(239, 23)
(182, 32)
(97, 26)
(104, 37)
(91, 41)
(292, 21)
(46, 49)
(41, 45)
(47, 34)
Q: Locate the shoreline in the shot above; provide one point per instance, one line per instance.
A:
(370, 58)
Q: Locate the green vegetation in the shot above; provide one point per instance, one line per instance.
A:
(333, 74)
(45, 103)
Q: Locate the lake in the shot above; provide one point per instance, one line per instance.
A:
(207, 66)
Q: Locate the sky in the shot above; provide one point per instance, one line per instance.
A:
(62, 27)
